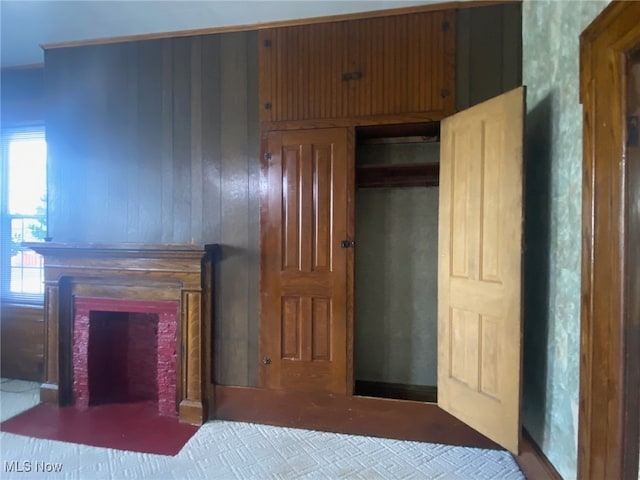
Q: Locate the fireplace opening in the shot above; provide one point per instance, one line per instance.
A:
(123, 357)
(125, 351)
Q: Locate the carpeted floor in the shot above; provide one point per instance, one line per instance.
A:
(232, 450)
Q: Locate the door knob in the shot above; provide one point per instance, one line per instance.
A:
(266, 361)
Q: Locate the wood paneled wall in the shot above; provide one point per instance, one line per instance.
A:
(21, 341)
(489, 52)
(157, 142)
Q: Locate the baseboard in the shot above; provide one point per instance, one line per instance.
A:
(533, 462)
(357, 415)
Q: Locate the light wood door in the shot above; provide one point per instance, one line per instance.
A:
(304, 268)
(480, 267)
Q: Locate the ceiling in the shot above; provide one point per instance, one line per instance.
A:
(27, 24)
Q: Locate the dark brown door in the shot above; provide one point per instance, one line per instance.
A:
(304, 267)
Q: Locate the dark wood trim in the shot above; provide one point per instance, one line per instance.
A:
(351, 258)
(281, 23)
(377, 417)
(412, 175)
(609, 404)
(533, 462)
(131, 271)
(367, 121)
(398, 391)
(377, 132)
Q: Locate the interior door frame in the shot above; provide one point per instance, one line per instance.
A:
(610, 346)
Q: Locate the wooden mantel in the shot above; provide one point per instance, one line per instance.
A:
(180, 272)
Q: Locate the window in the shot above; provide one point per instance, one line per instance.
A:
(24, 213)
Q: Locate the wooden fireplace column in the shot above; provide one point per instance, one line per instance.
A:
(130, 271)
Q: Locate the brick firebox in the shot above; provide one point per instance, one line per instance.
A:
(180, 274)
(125, 351)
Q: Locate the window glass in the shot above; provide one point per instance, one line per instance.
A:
(24, 213)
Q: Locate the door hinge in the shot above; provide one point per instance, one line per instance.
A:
(347, 244)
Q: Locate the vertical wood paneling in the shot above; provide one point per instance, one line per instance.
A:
(149, 152)
(158, 142)
(233, 318)
(489, 52)
(196, 138)
(167, 141)
(253, 247)
(182, 140)
(211, 173)
(130, 146)
(266, 63)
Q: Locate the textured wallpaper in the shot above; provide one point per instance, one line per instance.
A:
(551, 31)
(396, 273)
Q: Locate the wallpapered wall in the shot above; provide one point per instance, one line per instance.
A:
(551, 31)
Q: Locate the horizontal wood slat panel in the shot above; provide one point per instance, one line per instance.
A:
(403, 64)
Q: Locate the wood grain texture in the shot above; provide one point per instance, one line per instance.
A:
(480, 267)
(157, 142)
(378, 417)
(131, 271)
(22, 342)
(393, 65)
(489, 52)
(304, 276)
(608, 435)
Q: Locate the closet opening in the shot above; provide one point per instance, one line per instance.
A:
(396, 261)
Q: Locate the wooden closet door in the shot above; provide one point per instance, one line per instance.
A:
(480, 267)
(304, 268)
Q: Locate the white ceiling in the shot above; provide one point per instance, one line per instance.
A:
(27, 24)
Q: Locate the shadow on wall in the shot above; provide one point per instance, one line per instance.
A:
(537, 171)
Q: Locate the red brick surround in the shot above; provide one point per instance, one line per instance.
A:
(125, 350)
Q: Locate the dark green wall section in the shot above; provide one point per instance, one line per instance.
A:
(489, 52)
(157, 142)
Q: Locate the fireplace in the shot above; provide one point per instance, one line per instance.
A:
(127, 323)
(124, 351)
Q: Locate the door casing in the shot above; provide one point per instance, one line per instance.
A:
(610, 347)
